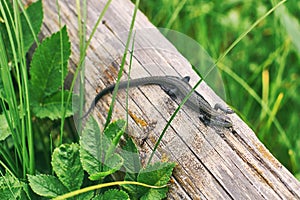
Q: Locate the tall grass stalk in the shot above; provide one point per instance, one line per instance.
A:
(62, 121)
(122, 64)
(80, 67)
(18, 115)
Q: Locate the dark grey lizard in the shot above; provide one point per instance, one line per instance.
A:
(176, 87)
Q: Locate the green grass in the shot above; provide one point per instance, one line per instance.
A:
(15, 41)
(261, 73)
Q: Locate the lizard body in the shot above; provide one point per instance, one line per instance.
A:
(176, 88)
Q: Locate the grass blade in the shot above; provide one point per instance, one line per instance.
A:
(122, 65)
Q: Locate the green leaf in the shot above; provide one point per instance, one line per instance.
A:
(46, 76)
(4, 128)
(90, 147)
(131, 156)
(45, 67)
(97, 150)
(111, 165)
(154, 194)
(112, 195)
(85, 195)
(35, 14)
(10, 193)
(66, 164)
(11, 187)
(51, 107)
(158, 174)
(89, 163)
(46, 185)
(113, 133)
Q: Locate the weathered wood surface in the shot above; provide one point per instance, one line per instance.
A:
(212, 164)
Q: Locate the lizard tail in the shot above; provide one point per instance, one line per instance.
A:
(97, 98)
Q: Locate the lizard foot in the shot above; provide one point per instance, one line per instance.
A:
(225, 109)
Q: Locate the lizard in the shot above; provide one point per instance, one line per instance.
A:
(176, 87)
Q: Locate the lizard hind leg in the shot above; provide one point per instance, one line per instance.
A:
(170, 91)
(204, 119)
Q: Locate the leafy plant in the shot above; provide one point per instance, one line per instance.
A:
(46, 73)
(44, 84)
(97, 155)
(12, 188)
(98, 150)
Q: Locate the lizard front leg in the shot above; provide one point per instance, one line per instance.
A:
(225, 109)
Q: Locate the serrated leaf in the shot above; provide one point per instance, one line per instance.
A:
(45, 70)
(111, 165)
(51, 107)
(112, 195)
(113, 133)
(8, 181)
(89, 163)
(93, 151)
(158, 174)
(131, 158)
(10, 187)
(85, 196)
(4, 128)
(132, 162)
(155, 194)
(46, 185)
(90, 147)
(67, 166)
(10, 193)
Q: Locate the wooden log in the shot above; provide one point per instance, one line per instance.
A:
(212, 163)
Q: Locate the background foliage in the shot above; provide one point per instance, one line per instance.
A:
(267, 60)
